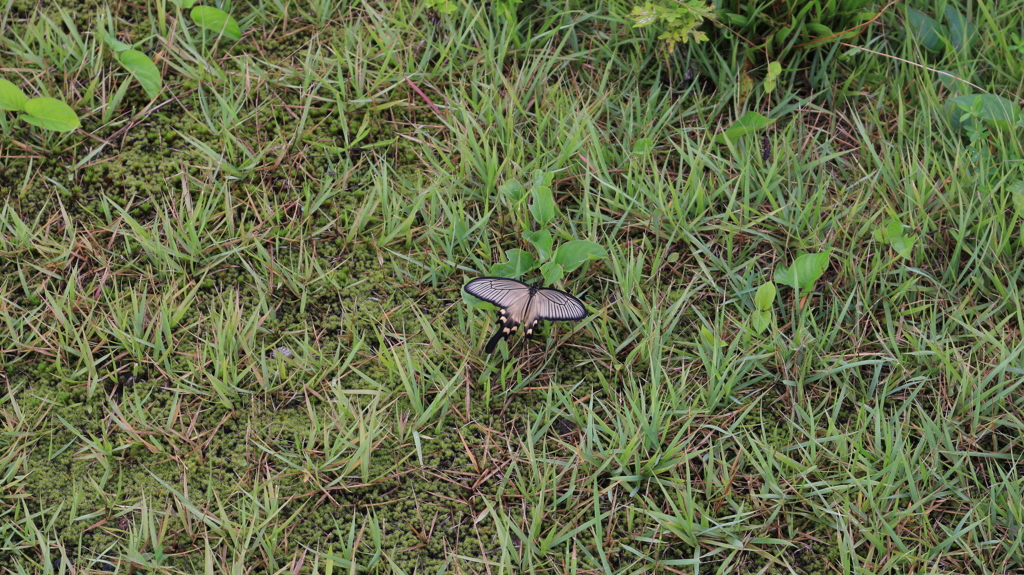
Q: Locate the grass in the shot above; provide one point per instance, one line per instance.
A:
(232, 338)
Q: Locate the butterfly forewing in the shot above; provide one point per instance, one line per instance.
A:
(502, 292)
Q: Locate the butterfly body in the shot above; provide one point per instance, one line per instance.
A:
(523, 305)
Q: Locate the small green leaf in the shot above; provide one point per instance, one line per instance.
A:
(760, 320)
(217, 21)
(817, 31)
(643, 146)
(144, 70)
(572, 255)
(519, 262)
(925, 30)
(552, 273)
(543, 205)
(782, 35)
(804, 272)
(513, 191)
(774, 70)
(11, 96)
(892, 235)
(540, 178)
(903, 245)
(542, 241)
(764, 299)
(443, 6)
(709, 338)
(892, 229)
(52, 114)
(750, 123)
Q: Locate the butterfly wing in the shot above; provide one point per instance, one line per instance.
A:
(552, 305)
(556, 305)
(511, 296)
(501, 292)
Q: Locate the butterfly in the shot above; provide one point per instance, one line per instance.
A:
(523, 305)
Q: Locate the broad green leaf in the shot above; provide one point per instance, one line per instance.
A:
(760, 320)
(552, 273)
(541, 240)
(903, 245)
(995, 110)
(217, 21)
(31, 120)
(951, 81)
(892, 229)
(892, 235)
(572, 255)
(804, 272)
(543, 205)
(52, 114)
(11, 96)
(750, 123)
(513, 191)
(810, 268)
(962, 31)
(925, 30)
(144, 70)
(643, 146)
(541, 178)
(785, 276)
(519, 262)
(764, 299)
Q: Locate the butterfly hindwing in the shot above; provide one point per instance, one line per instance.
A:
(555, 305)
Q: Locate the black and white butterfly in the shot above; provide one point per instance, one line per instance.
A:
(523, 305)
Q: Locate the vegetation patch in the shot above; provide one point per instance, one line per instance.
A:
(234, 236)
